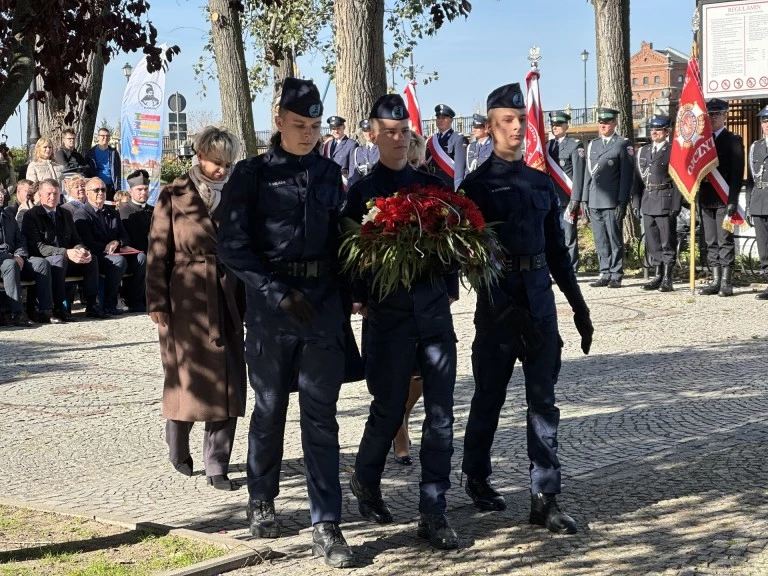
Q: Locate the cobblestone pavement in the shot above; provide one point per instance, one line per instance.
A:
(663, 443)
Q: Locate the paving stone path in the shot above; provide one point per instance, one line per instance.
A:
(663, 443)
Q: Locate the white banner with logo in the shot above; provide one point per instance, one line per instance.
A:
(141, 125)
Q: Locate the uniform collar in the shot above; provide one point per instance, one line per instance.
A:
(716, 134)
(137, 204)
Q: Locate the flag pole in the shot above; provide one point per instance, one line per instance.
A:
(695, 26)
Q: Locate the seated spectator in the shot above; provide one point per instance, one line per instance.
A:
(104, 161)
(67, 156)
(7, 172)
(102, 232)
(76, 196)
(121, 197)
(137, 217)
(26, 198)
(51, 234)
(43, 166)
(16, 265)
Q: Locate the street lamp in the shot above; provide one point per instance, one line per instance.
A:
(127, 70)
(585, 57)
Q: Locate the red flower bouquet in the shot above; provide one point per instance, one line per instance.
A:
(421, 232)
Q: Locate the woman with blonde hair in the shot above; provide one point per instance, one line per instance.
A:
(417, 150)
(198, 307)
(76, 197)
(42, 165)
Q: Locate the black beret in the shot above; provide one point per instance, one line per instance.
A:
(301, 97)
(558, 117)
(365, 125)
(138, 178)
(607, 114)
(659, 123)
(478, 120)
(507, 96)
(390, 107)
(717, 105)
(443, 110)
(334, 121)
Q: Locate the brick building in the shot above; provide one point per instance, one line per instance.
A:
(654, 71)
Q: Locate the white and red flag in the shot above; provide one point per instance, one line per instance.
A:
(412, 104)
(534, 132)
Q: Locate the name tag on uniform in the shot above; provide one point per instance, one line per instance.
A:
(503, 189)
(276, 183)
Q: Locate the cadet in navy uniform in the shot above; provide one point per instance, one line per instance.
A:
(412, 326)
(279, 234)
(479, 150)
(757, 195)
(525, 202)
(721, 249)
(340, 148)
(607, 190)
(657, 198)
(446, 149)
(364, 156)
(568, 153)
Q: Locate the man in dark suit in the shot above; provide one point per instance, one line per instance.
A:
(340, 148)
(103, 234)
(51, 234)
(757, 195)
(659, 201)
(137, 218)
(446, 149)
(721, 249)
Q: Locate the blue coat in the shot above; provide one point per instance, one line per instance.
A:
(477, 153)
(363, 159)
(342, 154)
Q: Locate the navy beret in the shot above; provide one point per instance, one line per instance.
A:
(443, 110)
(507, 96)
(390, 107)
(301, 97)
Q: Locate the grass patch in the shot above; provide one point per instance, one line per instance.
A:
(34, 543)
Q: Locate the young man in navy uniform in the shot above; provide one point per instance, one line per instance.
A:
(607, 190)
(517, 319)
(279, 234)
(364, 156)
(656, 197)
(410, 327)
(568, 154)
(446, 149)
(721, 248)
(340, 148)
(479, 150)
(757, 195)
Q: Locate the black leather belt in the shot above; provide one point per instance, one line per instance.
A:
(653, 187)
(523, 263)
(304, 269)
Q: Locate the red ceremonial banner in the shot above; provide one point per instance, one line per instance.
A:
(693, 148)
(534, 132)
(412, 104)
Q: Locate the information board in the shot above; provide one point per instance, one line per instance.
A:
(734, 49)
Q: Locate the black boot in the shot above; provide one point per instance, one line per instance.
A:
(435, 528)
(329, 542)
(713, 287)
(261, 516)
(484, 495)
(666, 281)
(545, 512)
(726, 288)
(655, 281)
(370, 503)
(764, 294)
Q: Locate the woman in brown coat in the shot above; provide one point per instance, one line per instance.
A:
(198, 308)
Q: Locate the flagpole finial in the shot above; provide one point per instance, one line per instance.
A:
(534, 57)
(696, 20)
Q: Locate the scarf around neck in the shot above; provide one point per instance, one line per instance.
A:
(209, 190)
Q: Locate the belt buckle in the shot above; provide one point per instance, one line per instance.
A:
(312, 269)
(525, 263)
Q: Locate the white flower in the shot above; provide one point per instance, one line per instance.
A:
(371, 216)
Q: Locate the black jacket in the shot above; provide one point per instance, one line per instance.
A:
(730, 153)
(41, 235)
(14, 240)
(96, 235)
(136, 221)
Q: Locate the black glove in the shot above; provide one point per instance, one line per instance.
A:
(748, 217)
(584, 325)
(573, 209)
(298, 306)
(674, 214)
(731, 210)
(636, 212)
(585, 211)
(621, 211)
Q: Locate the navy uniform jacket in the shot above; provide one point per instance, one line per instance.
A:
(42, 236)
(96, 235)
(653, 173)
(363, 159)
(569, 154)
(525, 203)
(278, 208)
(455, 145)
(730, 153)
(757, 180)
(342, 154)
(14, 240)
(423, 310)
(609, 175)
(477, 153)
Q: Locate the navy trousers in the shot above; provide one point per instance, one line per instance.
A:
(112, 266)
(493, 360)
(60, 265)
(316, 366)
(721, 246)
(388, 369)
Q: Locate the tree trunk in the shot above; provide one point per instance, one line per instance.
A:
(361, 76)
(229, 54)
(282, 68)
(612, 39)
(22, 67)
